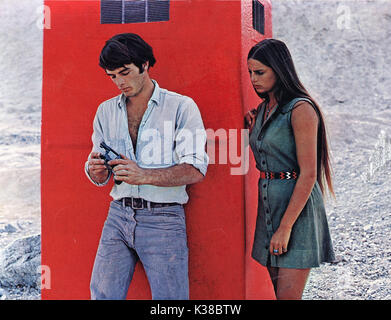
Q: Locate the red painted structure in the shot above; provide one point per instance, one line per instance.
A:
(201, 52)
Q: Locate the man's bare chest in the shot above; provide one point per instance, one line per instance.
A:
(134, 119)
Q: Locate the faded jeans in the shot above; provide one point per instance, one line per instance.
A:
(157, 237)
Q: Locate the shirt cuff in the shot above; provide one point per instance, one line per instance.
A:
(199, 165)
(94, 182)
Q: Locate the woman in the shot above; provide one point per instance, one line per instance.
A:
(288, 139)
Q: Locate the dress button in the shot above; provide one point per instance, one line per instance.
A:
(263, 162)
(264, 185)
(266, 247)
(268, 222)
(267, 210)
(264, 198)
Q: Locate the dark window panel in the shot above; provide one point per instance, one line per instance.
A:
(158, 10)
(111, 11)
(135, 11)
(258, 17)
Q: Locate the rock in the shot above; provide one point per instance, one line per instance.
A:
(3, 294)
(367, 227)
(19, 262)
(9, 228)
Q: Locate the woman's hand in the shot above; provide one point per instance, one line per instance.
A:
(249, 119)
(280, 240)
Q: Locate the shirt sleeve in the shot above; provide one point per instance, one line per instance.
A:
(190, 136)
(97, 138)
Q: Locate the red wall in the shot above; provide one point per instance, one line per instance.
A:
(201, 53)
(258, 284)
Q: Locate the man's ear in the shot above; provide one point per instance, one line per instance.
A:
(145, 66)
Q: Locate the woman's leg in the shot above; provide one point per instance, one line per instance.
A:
(273, 272)
(291, 283)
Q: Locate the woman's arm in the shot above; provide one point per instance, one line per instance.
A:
(304, 121)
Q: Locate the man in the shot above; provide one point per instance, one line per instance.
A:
(161, 138)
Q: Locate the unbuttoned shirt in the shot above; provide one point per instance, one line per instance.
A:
(171, 132)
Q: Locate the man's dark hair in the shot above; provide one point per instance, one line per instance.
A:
(126, 48)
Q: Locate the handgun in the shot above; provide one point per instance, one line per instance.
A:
(106, 157)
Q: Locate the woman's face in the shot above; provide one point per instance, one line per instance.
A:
(262, 77)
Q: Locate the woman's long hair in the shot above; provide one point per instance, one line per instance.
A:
(275, 54)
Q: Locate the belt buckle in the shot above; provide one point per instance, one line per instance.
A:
(138, 200)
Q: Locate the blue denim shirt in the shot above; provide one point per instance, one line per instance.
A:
(171, 132)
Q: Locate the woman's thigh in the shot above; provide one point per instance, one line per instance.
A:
(291, 283)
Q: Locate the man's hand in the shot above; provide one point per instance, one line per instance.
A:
(96, 168)
(128, 171)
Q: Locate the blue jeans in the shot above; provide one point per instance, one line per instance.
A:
(157, 237)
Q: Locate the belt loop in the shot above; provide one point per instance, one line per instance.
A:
(149, 205)
(123, 202)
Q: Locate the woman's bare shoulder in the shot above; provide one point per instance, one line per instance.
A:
(303, 111)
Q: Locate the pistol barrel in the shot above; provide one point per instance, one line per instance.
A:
(107, 148)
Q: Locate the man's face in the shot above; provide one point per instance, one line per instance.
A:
(128, 79)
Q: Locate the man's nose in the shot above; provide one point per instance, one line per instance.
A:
(120, 81)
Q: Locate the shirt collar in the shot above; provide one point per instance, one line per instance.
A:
(155, 96)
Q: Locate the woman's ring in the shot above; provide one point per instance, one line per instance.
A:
(275, 250)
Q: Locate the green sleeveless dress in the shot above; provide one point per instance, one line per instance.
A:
(274, 149)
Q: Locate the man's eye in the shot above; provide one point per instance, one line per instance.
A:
(125, 74)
